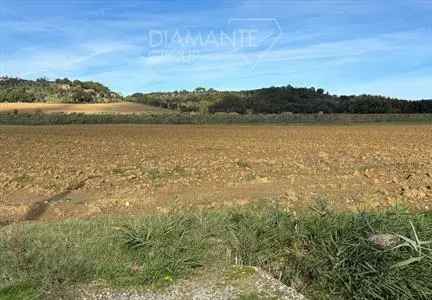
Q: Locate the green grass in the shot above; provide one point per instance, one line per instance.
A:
(323, 254)
(19, 292)
(168, 247)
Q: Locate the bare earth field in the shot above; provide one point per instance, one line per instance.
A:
(120, 108)
(58, 172)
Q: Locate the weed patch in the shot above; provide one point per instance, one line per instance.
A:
(325, 255)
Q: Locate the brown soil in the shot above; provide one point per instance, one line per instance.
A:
(118, 108)
(58, 172)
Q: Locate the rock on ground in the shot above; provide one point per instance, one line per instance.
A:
(384, 241)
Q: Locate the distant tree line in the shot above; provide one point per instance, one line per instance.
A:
(60, 90)
(273, 100)
(276, 100)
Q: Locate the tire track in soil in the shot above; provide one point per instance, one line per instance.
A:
(38, 209)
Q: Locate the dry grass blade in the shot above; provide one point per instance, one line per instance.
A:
(407, 262)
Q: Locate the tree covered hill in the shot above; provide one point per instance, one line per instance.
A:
(278, 100)
(273, 100)
(60, 90)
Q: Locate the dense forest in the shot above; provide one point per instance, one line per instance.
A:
(273, 100)
(60, 90)
(276, 100)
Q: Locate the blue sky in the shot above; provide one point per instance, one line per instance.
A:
(345, 47)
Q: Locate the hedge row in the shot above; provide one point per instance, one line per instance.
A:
(182, 118)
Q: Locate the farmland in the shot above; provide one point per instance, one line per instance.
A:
(57, 172)
(88, 108)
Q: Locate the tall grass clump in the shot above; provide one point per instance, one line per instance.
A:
(259, 237)
(329, 255)
(340, 260)
(167, 246)
(35, 265)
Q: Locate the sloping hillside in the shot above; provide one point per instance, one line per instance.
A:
(276, 100)
(60, 90)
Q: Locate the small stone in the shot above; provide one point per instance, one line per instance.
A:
(135, 268)
(263, 180)
(323, 155)
(93, 210)
(384, 241)
(415, 194)
(290, 196)
(384, 192)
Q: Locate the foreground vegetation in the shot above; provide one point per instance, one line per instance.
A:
(17, 118)
(323, 254)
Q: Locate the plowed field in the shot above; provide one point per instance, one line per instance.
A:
(112, 108)
(58, 172)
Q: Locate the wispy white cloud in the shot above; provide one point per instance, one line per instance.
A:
(353, 44)
(36, 61)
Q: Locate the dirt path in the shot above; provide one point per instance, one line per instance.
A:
(231, 283)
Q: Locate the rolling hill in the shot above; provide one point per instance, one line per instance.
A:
(273, 100)
(57, 91)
